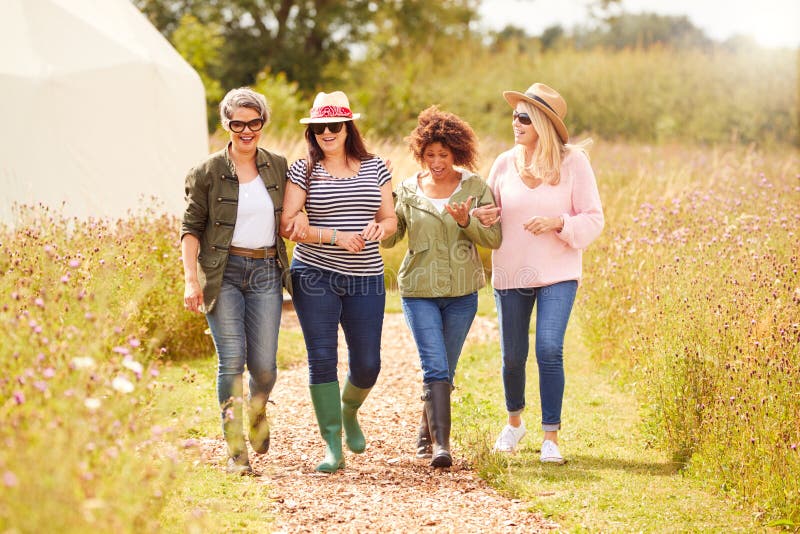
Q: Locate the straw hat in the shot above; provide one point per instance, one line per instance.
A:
(548, 100)
(330, 107)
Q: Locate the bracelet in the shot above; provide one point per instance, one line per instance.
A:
(333, 237)
(319, 236)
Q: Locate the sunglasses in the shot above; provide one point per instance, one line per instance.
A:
(238, 126)
(319, 127)
(523, 118)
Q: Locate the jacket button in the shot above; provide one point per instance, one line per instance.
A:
(219, 199)
(216, 224)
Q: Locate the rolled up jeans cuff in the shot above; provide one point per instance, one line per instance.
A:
(551, 427)
(516, 413)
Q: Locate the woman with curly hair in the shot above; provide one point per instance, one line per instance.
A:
(441, 273)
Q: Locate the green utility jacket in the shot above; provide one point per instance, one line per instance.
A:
(441, 260)
(212, 200)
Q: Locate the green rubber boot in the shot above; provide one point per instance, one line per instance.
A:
(328, 409)
(352, 399)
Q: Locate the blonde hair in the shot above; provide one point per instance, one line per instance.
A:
(550, 150)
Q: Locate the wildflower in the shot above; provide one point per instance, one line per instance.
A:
(133, 365)
(74, 263)
(65, 279)
(40, 385)
(49, 372)
(191, 442)
(10, 479)
(133, 342)
(83, 362)
(91, 403)
(121, 350)
(154, 371)
(122, 384)
(19, 397)
(39, 302)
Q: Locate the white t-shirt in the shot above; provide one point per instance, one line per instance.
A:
(439, 203)
(255, 216)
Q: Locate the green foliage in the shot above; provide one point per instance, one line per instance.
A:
(653, 95)
(287, 104)
(643, 30)
(199, 44)
(298, 38)
(694, 290)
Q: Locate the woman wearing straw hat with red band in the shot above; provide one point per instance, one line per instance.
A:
(550, 210)
(337, 207)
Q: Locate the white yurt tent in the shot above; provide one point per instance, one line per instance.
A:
(98, 112)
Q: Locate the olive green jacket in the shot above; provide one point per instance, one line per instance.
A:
(442, 260)
(212, 199)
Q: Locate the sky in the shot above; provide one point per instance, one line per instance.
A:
(772, 23)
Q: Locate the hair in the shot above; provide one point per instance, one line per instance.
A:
(354, 147)
(550, 149)
(242, 97)
(436, 126)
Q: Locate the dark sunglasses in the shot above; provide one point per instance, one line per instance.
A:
(523, 118)
(254, 125)
(319, 127)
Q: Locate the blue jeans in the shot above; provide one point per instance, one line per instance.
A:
(440, 326)
(324, 299)
(244, 324)
(514, 309)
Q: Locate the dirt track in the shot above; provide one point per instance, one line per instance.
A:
(386, 489)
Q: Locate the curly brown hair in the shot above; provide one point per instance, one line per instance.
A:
(436, 126)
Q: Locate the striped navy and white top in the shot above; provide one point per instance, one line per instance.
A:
(347, 204)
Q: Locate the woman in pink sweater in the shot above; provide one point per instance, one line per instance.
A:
(550, 210)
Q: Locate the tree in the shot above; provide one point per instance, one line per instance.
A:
(295, 37)
(200, 44)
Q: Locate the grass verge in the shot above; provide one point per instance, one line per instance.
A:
(614, 481)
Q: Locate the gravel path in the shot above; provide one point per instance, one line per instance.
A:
(385, 489)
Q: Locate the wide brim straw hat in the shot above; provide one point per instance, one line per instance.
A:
(546, 99)
(330, 107)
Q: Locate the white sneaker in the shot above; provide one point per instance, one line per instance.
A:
(509, 438)
(550, 453)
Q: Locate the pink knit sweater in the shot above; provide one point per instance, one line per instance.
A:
(527, 260)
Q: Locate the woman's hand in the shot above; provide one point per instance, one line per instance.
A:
(460, 211)
(539, 225)
(192, 296)
(350, 241)
(298, 227)
(487, 215)
(374, 231)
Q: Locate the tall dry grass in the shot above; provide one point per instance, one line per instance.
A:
(89, 310)
(693, 292)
